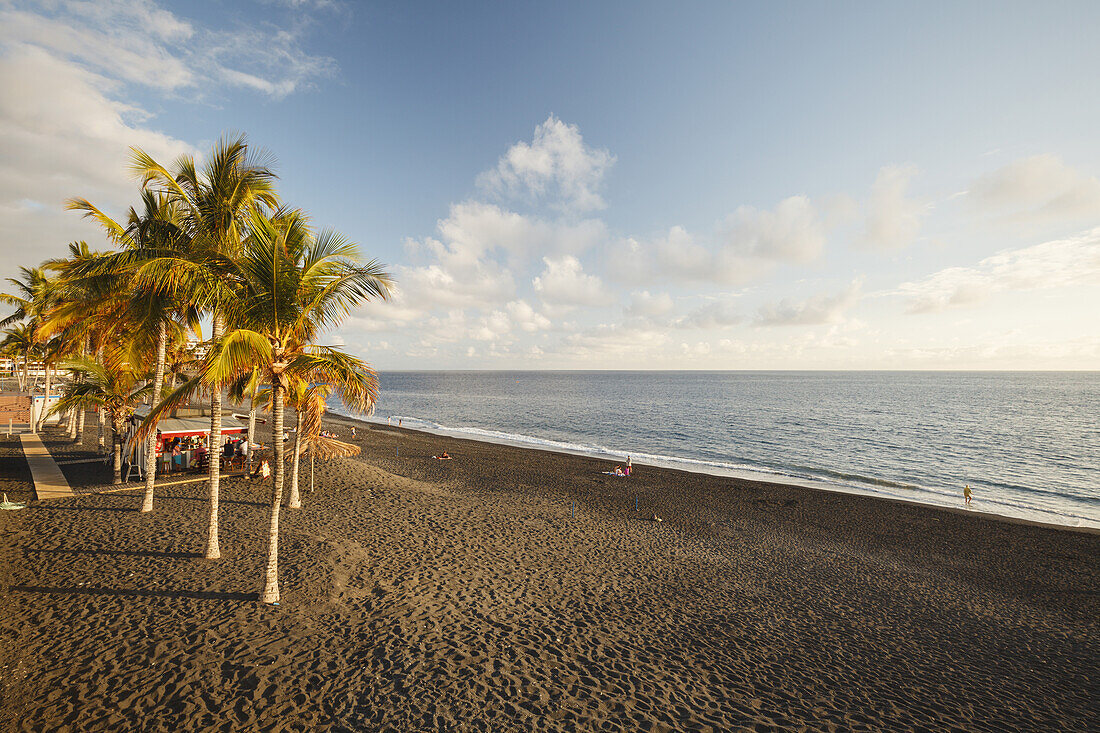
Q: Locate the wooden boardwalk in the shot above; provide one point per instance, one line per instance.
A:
(49, 482)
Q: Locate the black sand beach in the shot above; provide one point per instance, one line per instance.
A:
(462, 595)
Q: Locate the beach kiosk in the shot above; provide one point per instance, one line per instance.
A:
(190, 430)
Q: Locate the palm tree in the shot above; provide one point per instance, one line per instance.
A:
(73, 314)
(147, 236)
(215, 206)
(35, 294)
(28, 298)
(247, 386)
(19, 342)
(299, 397)
(116, 386)
(310, 403)
(292, 286)
(51, 351)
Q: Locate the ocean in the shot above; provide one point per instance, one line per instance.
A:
(1028, 444)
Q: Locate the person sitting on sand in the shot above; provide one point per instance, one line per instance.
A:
(967, 494)
(442, 456)
(619, 471)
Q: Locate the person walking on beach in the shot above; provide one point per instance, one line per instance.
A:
(967, 494)
(629, 468)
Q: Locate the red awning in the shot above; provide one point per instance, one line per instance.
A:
(196, 433)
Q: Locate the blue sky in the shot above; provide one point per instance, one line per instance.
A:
(616, 185)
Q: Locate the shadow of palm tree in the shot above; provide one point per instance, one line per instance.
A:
(62, 507)
(131, 553)
(202, 595)
(205, 500)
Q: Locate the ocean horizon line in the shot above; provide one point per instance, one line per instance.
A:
(741, 371)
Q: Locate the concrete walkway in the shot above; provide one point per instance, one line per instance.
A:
(49, 482)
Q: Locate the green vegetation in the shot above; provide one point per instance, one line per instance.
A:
(209, 242)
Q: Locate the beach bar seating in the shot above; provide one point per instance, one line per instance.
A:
(191, 432)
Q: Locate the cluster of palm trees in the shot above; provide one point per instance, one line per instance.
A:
(211, 243)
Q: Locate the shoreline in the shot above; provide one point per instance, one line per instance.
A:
(746, 475)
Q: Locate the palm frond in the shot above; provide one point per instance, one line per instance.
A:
(179, 396)
(236, 354)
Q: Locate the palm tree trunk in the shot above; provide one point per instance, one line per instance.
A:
(79, 437)
(73, 412)
(102, 415)
(251, 431)
(46, 403)
(171, 389)
(271, 573)
(72, 425)
(295, 501)
(214, 449)
(116, 440)
(151, 441)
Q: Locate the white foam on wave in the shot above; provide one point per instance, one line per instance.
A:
(920, 494)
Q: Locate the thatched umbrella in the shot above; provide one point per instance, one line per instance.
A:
(324, 448)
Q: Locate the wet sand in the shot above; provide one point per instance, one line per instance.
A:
(462, 595)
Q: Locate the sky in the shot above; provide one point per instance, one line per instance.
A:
(613, 185)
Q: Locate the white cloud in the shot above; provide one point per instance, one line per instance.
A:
(475, 284)
(892, 219)
(474, 229)
(792, 232)
(123, 40)
(307, 4)
(1041, 187)
(700, 348)
(271, 62)
(718, 314)
(616, 340)
(481, 245)
(556, 168)
(449, 327)
(1056, 264)
(384, 315)
(526, 317)
(646, 305)
(67, 119)
(492, 327)
(61, 136)
(816, 310)
(564, 283)
(137, 41)
(750, 242)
